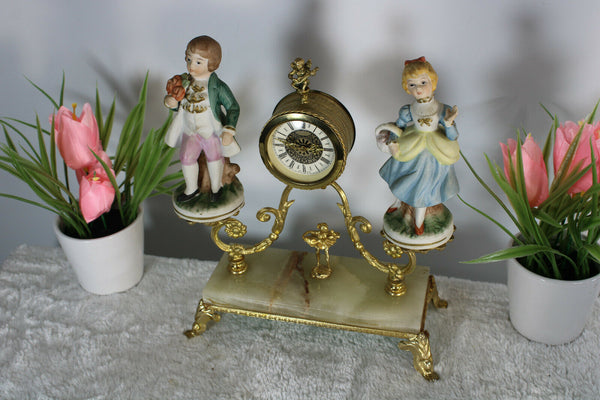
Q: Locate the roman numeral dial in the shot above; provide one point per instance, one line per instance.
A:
(306, 142)
(301, 150)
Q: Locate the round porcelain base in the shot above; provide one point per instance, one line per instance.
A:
(201, 209)
(423, 244)
(548, 310)
(398, 228)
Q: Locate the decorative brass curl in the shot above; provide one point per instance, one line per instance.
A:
(236, 229)
(396, 273)
(418, 345)
(204, 314)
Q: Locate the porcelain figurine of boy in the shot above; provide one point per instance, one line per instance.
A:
(420, 172)
(205, 125)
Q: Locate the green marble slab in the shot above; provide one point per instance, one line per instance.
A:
(278, 282)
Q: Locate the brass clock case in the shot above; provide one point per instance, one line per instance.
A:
(325, 113)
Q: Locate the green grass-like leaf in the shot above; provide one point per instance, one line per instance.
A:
(518, 252)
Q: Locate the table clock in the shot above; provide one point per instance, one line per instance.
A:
(305, 144)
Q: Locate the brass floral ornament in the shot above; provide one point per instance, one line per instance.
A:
(235, 229)
(321, 239)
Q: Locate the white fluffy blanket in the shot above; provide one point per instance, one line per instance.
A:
(57, 341)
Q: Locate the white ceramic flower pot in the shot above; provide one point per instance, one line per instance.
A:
(108, 264)
(548, 310)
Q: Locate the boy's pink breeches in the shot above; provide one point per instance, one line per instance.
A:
(193, 145)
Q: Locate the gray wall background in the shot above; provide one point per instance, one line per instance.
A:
(495, 60)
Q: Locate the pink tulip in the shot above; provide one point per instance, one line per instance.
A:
(75, 136)
(534, 169)
(80, 173)
(565, 135)
(96, 193)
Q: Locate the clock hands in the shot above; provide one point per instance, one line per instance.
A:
(308, 147)
(288, 143)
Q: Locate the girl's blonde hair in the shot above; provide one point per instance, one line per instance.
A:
(414, 68)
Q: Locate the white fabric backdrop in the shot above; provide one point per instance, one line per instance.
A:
(496, 61)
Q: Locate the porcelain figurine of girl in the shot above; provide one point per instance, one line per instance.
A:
(420, 172)
(205, 125)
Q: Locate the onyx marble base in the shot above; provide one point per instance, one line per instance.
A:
(278, 285)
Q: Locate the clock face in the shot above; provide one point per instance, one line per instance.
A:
(306, 142)
(300, 150)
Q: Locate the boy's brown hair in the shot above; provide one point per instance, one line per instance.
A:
(206, 47)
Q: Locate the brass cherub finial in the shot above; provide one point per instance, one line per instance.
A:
(300, 76)
(321, 239)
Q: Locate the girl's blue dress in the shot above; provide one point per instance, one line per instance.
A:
(422, 181)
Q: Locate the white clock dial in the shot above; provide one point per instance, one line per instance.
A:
(301, 150)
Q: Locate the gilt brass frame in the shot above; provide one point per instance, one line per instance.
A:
(235, 229)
